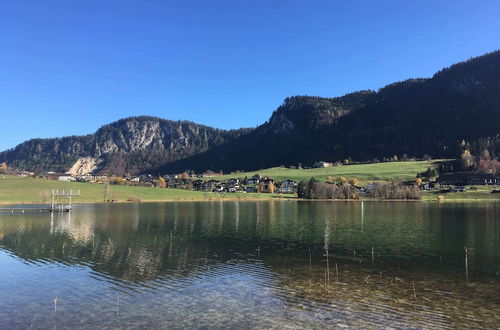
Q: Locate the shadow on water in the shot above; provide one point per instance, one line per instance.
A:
(252, 264)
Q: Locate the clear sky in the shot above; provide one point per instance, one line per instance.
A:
(68, 67)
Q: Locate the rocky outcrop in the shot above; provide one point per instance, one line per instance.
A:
(84, 165)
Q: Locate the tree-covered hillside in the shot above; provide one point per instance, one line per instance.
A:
(412, 118)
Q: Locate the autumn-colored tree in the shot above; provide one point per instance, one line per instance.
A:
(353, 181)
(485, 154)
(342, 180)
(118, 181)
(330, 178)
(418, 182)
(346, 161)
(491, 166)
(160, 182)
(466, 160)
(271, 187)
(4, 166)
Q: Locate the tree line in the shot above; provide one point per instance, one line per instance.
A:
(314, 189)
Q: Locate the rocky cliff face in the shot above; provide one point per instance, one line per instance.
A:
(84, 165)
(124, 147)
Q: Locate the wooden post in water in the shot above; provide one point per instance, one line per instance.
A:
(53, 201)
(466, 263)
(310, 260)
(327, 270)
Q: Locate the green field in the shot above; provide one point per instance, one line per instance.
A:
(391, 171)
(15, 189)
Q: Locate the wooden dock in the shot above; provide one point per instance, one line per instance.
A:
(35, 209)
(61, 202)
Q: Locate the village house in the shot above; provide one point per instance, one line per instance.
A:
(197, 185)
(288, 187)
(66, 178)
(211, 185)
(267, 185)
(322, 164)
(251, 189)
(233, 185)
(254, 180)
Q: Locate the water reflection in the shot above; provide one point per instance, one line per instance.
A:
(252, 264)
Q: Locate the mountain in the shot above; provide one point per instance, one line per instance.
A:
(126, 146)
(457, 108)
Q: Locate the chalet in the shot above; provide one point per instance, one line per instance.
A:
(251, 189)
(88, 178)
(429, 186)
(267, 185)
(66, 178)
(233, 185)
(288, 187)
(254, 179)
(233, 182)
(322, 164)
(468, 179)
(220, 187)
(198, 185)
(211, 185)
(178, 183)
(58, 177)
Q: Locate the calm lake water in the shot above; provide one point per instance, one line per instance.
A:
(270, 264)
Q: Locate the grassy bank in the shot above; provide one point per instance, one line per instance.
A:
(391, 171)
(483, 193)
(15, 189)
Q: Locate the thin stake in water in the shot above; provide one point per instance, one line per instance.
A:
(310, 260)
(327, 265)
(466, 263)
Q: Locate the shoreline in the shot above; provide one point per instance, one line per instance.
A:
(264, 199)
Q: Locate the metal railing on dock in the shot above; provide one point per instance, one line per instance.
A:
(56, 205)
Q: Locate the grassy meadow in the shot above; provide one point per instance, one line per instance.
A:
(390, 171)
(14, 189)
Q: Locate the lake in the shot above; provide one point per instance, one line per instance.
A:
(267, 264)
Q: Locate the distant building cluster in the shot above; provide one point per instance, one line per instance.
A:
(202, 182)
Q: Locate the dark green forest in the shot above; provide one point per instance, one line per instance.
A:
(415, 118)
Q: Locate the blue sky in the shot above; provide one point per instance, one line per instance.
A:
(68, 67)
